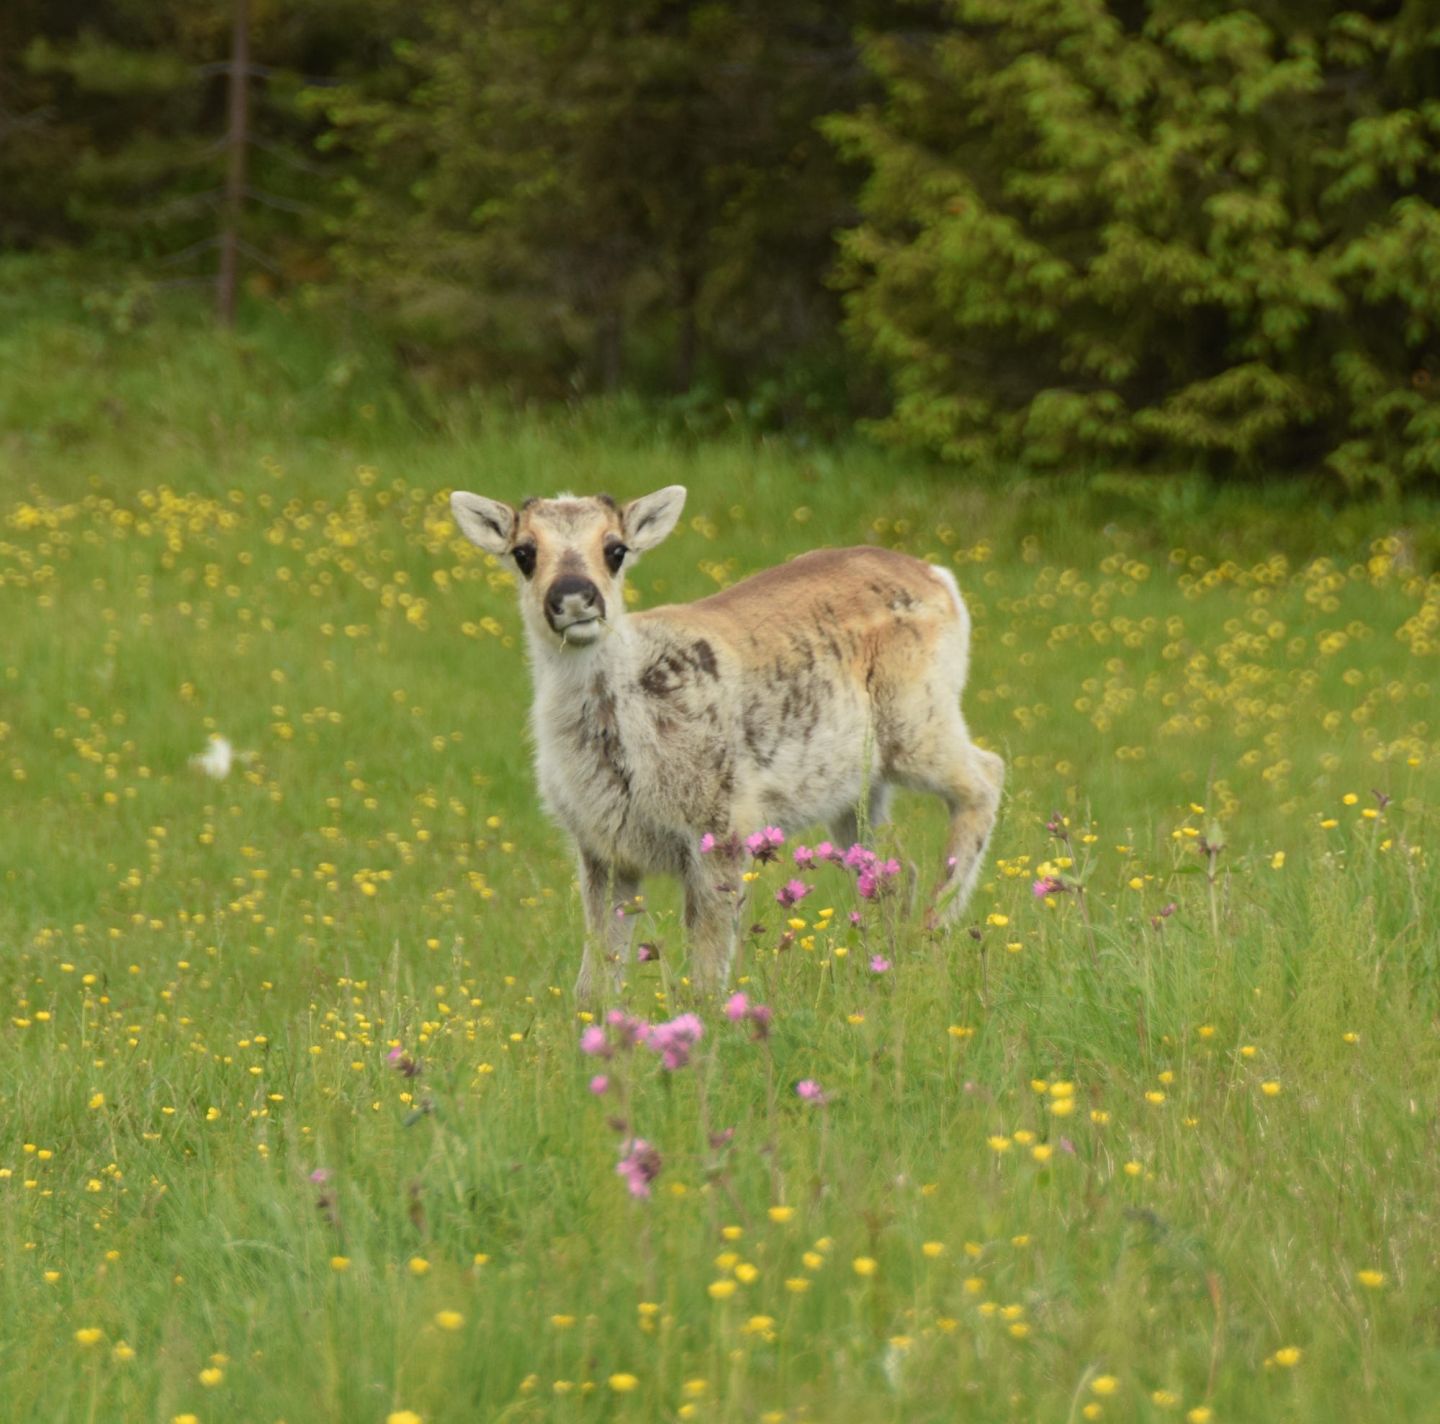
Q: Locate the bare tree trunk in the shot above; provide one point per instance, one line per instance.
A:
(236, 146)
(687, 346)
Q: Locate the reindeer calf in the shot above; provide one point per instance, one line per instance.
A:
(780, 701)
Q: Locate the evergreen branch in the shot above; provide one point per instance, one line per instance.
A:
(274, 200)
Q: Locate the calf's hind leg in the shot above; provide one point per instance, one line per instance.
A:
(969, 781)
(973, 797)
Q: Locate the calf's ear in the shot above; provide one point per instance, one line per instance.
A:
(486, 522)
(650, 518)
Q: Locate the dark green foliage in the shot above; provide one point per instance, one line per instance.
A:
(1168, 234)
(113, 127)
(581, 195)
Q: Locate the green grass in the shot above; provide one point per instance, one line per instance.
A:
(204, 980)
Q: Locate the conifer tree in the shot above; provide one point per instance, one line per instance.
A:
(1171, 233)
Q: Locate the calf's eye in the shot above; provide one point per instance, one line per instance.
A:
(524, 556)
(615, 556)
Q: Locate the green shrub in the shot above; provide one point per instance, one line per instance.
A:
(1172, 234)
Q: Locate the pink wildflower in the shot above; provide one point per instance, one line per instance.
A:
(739, 1009)
(402, 1063)
(599, 1085)
(639, 1166)
(594, 1042)
(855, 918)
(707, 843)
(674, 1040)
(320, 1175)
(810, 1091)
(879, 964)
(1047, 885)
(792, 892)
(858, 858)
(764, 845)
(804, 857)
(867, 884)
(826, 851)
(629, 1030)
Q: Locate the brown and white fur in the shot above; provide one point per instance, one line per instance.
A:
(782, 700)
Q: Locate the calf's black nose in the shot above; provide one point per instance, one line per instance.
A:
(573, 586)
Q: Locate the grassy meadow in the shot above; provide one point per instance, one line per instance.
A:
(294, 1120)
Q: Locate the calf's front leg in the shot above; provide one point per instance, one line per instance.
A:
(608, 894)
(713, 897)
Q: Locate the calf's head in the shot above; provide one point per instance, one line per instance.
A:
(570, 555)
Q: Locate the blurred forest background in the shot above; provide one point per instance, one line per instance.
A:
(1148, 235)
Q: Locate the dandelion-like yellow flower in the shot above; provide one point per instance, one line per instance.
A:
(562, 1322)
(998, 1143)
(89, 1335)
(797, 1285)
(1019, 1329)
(1104, 1385)
(1271, 1089)
(1201, 1414)
(932, 1249)
(339, 1264)
(864, 1265)
(623, 1383)
(418, 1266)
(402, 1416)
(97, 1100)
(721, 1290)
(210, 1376)
(122, 1354)
(449, 1319)
(1092, 1411)
(745, 1273)
(781, 1214)
(1288, 1357)
(1042, 1152)
(1164, 1398)
(1371, 1280)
